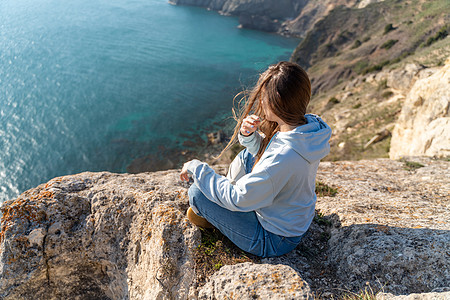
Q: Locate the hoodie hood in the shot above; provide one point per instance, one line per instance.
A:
(309, 140)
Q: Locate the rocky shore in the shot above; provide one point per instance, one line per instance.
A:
(125, 236)
(287, 17)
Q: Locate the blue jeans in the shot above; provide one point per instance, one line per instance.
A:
(242, 228)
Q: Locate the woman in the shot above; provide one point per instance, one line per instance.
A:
(267, 202)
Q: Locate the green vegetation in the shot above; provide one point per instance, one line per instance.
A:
(372, 46)
(434, 7)
(215, 251)
(377, 67)
(440, 35)
(387, 94)
(327, 50)
(344, 37)
(323, 190)
(360, 66)
(382, 85)
(402, 56)
(356, 44)
(320, 219)
(388, 28)
(333, 100)
(366, 294)
(325, 236)
(412, 165)
(409, 28)
(389, 44)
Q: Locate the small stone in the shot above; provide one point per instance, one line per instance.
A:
(36, 237)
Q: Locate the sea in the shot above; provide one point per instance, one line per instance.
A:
(95, 85)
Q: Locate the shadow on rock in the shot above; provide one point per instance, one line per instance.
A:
(337, 260)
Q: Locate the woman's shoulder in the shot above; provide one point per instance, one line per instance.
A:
(281, 153)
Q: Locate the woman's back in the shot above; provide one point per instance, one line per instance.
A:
(291, 162)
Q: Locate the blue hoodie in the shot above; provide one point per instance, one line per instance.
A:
(281, 187)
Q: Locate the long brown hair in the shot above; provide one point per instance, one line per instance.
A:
(288, 91)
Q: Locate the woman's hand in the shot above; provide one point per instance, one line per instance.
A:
(184, 175)
(250, 124)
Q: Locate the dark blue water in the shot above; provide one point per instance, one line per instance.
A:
(93, 85)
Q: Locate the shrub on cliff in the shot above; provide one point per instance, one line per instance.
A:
(389, 44)
(388, 28)
(440, 35)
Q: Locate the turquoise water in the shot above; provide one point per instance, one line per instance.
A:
(93, 85)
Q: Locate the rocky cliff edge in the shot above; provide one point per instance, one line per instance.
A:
(122, 236)
(423, 127)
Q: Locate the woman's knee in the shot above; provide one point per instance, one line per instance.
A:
(193, 190)
(195, 197)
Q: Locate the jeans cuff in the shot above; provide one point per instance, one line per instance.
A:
(195, 210)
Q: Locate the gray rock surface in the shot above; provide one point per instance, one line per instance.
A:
(390, 229)
(389, 255)
(393, 224)
(98, 236)
(442, 294)
(122, 236)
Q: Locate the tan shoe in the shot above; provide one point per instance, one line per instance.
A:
(197, 220)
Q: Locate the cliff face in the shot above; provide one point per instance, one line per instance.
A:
(397, 112)
(98, 236)
(423, 127)
(274, 9)
(364, 63)
(122, 236)
(349, 42)
(288, 17)
(314, 11)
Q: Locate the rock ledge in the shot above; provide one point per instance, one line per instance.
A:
(122, 236)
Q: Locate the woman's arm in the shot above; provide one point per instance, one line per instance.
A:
(251, 142)
(253, 191)
(248, 136)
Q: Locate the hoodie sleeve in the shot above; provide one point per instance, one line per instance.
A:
(253, 191)
(251, 142)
